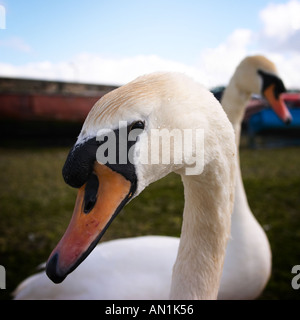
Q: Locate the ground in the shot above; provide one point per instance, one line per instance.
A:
(36, 205)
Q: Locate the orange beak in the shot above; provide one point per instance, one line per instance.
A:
(277, 104)
(97, 204)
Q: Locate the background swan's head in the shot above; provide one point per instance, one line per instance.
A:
(259, 75)
(120, 151)
(248, 76)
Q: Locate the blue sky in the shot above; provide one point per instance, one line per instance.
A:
(61, 37)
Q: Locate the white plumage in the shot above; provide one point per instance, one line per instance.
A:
(115, 270)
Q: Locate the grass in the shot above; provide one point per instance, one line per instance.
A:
(272, 183)
(36, 205)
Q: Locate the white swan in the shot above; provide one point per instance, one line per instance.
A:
(247, 266)
(248, 258)
(150, 102)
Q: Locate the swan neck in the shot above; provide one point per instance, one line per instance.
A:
(205, 231)
(234, 102)
(240, 193)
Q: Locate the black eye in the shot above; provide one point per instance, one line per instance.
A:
(138, 125)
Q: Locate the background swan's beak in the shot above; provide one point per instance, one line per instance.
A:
(98, 202)
(277, 104)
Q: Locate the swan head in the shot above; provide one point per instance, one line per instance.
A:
(259, 75)
(120, 151)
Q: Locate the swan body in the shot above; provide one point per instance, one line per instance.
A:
(115, 270)
(146, 267)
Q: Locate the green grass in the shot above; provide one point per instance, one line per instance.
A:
(272, 183)
(36, 205)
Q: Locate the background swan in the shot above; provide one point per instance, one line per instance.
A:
(206, 222)
(248, 253)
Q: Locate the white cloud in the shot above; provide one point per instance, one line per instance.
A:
(279, 39)
(288, 66)
(219, 63)
(281, 26)
(93, 68)
(214, 67)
